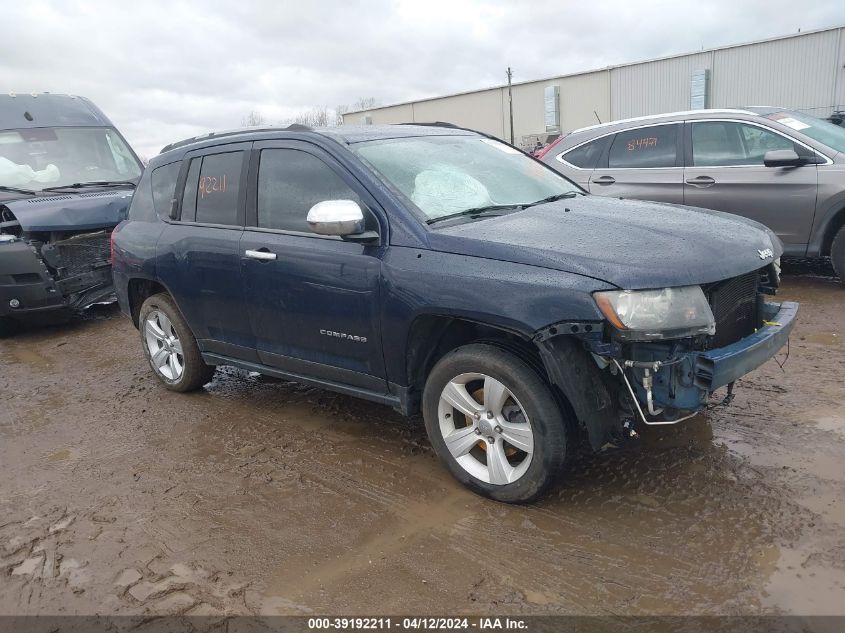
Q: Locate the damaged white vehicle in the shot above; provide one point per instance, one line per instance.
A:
(66, 179)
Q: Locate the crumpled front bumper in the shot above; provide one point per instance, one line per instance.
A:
(26, 286)
(684, 382)
(719, 367)
(28, 289)
(681, 378)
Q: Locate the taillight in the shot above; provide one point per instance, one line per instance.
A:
(548, 147)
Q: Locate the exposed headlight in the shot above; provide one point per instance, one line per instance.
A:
(657, 314)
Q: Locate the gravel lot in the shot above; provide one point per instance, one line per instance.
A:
(257, 496)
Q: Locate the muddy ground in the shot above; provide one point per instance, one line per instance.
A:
(254, 496)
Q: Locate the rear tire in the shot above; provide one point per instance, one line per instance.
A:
(495, 423)
(170, 346)
(837, 254)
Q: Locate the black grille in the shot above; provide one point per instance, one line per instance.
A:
(82, 252)
(735, 308)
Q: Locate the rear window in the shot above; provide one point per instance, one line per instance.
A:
(211, 189)
(647, 147)
(586, 156)
(163, 180)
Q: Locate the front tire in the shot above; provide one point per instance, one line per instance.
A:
(170, 347)
(837, 254)
(495, 423)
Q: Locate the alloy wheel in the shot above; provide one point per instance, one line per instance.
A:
(163, 344)
(485, 428)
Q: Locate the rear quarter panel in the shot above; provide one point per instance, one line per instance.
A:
(134, 242)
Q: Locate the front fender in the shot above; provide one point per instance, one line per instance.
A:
(593, 398)
(514, 297)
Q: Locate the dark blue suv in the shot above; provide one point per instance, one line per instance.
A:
(435, 269)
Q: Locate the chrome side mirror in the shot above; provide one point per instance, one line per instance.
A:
(336, 217)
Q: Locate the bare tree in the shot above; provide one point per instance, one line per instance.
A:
(315, 117)
(362, 103)
(253, 119)
(339, 111)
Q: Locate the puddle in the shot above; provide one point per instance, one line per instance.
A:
(62, 455)
(823, 338)
(799, 587)
(26, 356)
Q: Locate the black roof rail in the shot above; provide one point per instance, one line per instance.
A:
(465, 129)
(438, 124)
(293, 127)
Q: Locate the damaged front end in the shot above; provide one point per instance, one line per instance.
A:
(55, 253)
(616, 377)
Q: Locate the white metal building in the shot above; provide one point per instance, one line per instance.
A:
(803, 71)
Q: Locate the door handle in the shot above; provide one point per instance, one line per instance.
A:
(604, 180)
(701, 181)
(263, 255)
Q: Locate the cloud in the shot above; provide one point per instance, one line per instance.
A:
(166, 70)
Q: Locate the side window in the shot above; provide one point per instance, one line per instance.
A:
(163, 180)
(586, 156)
(218, 187)
(725, 144)
(758, 141)
(290, 182)
(189, 195)
(644, 147)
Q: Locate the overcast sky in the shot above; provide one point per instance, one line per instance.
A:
(163, 71)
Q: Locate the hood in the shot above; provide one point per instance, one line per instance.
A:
(71, 211)
(631, 244)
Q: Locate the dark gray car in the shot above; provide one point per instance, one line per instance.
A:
(784, 169)
(66, 179)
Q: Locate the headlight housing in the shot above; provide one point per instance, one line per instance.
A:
(647, 315)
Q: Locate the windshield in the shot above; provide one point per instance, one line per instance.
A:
(34, 158)
(817, 129)
(445, 175)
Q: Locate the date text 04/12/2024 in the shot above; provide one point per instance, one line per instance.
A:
(417, 623)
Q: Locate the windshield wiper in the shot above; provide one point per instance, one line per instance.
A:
(557, 196)
(17, 190)
(478, 212)
(93, 183)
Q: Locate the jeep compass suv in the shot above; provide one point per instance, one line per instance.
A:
(436, 269)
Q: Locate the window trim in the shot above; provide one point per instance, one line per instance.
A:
(679, 148)
(368, 201)
(688, 157)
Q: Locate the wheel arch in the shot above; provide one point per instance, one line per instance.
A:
(832, 227)
(432, 336)
(139, 289)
